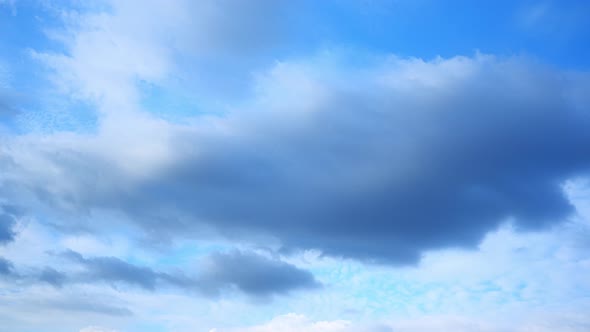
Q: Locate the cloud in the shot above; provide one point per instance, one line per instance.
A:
(111, 270)
(96, 329)
(52, 277)
(247, 272)
(8, 217)
(379, 162)
(295, 323)
(93, 307)
(250, 273)
(109, 50)
(6, 267)
(253, 274)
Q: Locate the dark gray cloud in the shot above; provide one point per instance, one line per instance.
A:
(253, 274)
(378, 164)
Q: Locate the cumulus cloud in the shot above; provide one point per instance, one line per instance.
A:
(107, 51)
(373, 157)
(378, 162)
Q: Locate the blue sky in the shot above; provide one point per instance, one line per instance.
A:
(270, 165)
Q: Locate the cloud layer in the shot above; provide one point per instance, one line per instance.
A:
(250, 273)
(177, 165)
(253, 274)
(378, 162)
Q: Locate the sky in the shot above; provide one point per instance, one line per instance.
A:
(276, 165)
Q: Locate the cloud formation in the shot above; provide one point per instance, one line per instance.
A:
(253, 274)
(294, 323)
(247, 272)
(6, 267)
(8, 215)
(167, 132)
(112, 270)
(383, 163)
(379, 162)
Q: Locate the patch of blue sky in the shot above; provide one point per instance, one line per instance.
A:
(171, 104)
(53, 114)
(24, 27)
(38, 106)
(185, 253)
(427, 28)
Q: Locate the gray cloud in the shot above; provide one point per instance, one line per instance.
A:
(8, 215)
(250, 273)
(82, 305)
(6, 267)
(110, 270)
(52, 277)
(382, 172)
(378, 163)
(253, 274)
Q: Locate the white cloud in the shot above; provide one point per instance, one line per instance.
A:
(108, 52)
(97, 329)
(296, 323)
